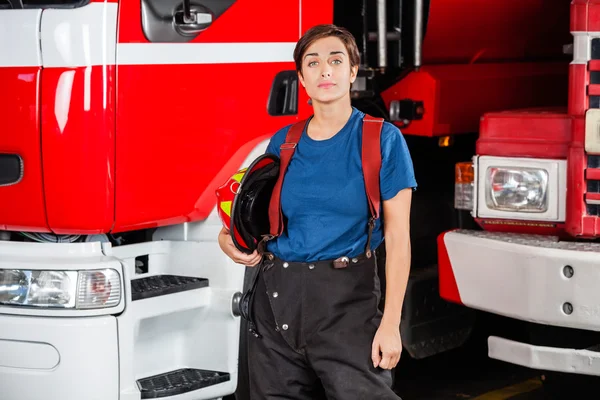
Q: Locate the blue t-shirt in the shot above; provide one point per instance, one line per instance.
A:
(323, 196)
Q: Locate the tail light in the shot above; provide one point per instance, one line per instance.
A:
(464, 187)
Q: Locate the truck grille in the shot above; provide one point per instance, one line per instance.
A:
(590, 223)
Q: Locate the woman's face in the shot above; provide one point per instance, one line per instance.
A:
(326, 72)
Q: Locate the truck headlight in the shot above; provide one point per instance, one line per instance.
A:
(60, 289)
(517, 189)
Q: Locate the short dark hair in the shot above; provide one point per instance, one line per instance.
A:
(322, 31)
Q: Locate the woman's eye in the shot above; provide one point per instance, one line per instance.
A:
(337, 61)
(312, 63)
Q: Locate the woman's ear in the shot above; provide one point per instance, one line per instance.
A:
(353, 73)
(301, 79)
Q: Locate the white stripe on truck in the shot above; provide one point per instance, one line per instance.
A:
(87, 36)
(19, 38)
(79, 37)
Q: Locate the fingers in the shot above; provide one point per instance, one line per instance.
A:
(243, 258)
(255, 260)
(390, 358)
(226, 244)
(385, 361)
(375, 357)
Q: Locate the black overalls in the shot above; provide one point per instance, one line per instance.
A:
(311, 330)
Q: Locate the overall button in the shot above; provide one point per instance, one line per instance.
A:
(275, 294)
(355, 260)
(285, 327)
(285, 265)
(311, 266)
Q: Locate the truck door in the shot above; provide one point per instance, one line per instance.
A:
(194, 99)
(56, 124)
(21, 189)
(78, 39)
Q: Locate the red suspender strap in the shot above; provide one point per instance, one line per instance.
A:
(286, 153)
(371, 163)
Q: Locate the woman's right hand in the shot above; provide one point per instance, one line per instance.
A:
(226, 244)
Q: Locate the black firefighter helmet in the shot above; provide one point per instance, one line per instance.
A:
(243, 202)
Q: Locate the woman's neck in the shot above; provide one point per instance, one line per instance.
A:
(329, 119)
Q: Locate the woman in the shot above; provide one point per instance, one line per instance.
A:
(319, 330)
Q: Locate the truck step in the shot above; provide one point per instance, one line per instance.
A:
(160, 285)
(179, 382)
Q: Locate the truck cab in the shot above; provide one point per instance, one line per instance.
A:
(117, 121)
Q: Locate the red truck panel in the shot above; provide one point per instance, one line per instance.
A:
(184, 126)
(475, 31)
(78, 143)
(22, 205)
(456, 96)
(534, 133)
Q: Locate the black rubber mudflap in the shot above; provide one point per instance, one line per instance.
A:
(179, 382)
(431, 325)
(160, 285)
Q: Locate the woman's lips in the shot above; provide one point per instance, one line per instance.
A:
(326, 85)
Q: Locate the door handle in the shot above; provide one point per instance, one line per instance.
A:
(189, 20)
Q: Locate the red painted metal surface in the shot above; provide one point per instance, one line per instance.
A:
(578, 223)
(578, 81)
(579, 16)
(592, 196)
(585, 15)
(593, 90)
(521, 226)
(173, 152)
(173, 155)
(447, 281)
(22, 205)
(475, 31)
(592, 173)
(78, 141)
(456, 96)
(534, 133)
(311, 18)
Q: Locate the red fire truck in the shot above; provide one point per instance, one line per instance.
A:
(119, 118)
(533, 190)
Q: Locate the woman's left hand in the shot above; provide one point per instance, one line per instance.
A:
(387, 346)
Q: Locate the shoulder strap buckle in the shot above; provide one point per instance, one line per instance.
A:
(288, 146)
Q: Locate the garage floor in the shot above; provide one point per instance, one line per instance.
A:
(468, 373)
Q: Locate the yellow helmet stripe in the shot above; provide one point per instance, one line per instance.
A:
(238, 177)
(226, 207)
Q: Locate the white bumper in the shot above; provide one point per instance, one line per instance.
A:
(522, 277)
(585, 362)
(58, 358)
(531, 278)
(102, 354)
